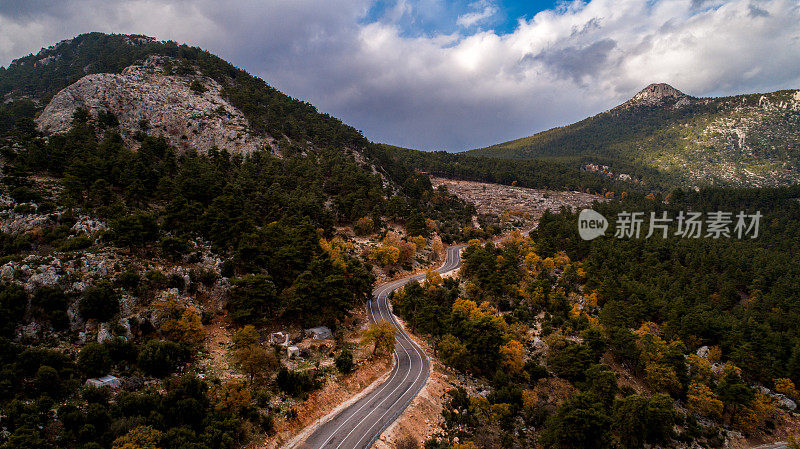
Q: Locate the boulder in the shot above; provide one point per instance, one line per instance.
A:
(104, 334)
(785, 402)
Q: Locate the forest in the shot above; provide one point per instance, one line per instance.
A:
(701, 324)
(553, 173)
(271, 220)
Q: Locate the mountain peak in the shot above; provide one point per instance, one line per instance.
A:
(655, 93)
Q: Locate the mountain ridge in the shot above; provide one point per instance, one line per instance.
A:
(41, 76)
(743, 140)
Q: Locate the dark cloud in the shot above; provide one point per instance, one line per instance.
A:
(578, 62)
(459, 91)
(755, 11)
(24, 10)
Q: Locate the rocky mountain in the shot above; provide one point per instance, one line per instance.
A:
(191, 97)
(744, 140)
(189, 111)
(655, 94)
(158, 204)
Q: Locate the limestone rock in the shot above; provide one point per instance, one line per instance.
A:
(7, 271)
(656, 93)
(87, 225)
(785, 402)
(15, 223)
(45, 276)
(104, 334)
(144, 98)
(127, 305)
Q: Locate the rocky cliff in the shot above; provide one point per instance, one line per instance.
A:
(189, 110)
(655, 94)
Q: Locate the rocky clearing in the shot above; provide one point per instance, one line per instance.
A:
(510, 202)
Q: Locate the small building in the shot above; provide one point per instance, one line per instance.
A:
(292, 351)
(319, 333)
(105, 381)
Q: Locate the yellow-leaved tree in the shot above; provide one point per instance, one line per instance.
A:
(437, 246)
(432, 279)
(700, 399)
(386, 255)
(231, 397)
(420, 241)
(381, 335)
(753, 417)
(140, 437)
(511, 357)
(180, 323)
(250, 357)
(786, 387)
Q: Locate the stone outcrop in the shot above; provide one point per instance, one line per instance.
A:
(145, 98)
(656, 93)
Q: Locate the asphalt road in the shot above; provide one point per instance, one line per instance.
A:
(361, 423)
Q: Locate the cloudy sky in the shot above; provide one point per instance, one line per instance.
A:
(454, 75)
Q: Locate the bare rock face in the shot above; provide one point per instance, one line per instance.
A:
(146, 99)
(655, 94)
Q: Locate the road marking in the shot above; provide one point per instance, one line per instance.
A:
(410, 388)
(453, 251)
(367, 399)
(389, 396)
(383, 292)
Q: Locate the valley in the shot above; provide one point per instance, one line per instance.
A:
(193, 259)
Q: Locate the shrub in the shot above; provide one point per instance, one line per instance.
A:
(295, 383)
(107, 119)
(173, 247)
(100, 302)
(129, 280)
(156, 279)
(159, 358)
(197, 87)
(75, 243)
(47, 380)
(344, 361)
(94, 360)
(50, 303)
(24, 195)
(13, 301)
(364, 226)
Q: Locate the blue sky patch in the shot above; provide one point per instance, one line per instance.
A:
(417, 18)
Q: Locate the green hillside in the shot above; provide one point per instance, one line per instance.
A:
(732, 141)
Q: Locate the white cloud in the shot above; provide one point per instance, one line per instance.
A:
(485, 10)
(464, 90)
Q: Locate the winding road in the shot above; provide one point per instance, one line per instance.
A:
(358, 425)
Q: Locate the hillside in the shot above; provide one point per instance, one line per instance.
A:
(162, 213)
(745, 140)
(41, 76)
